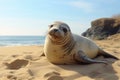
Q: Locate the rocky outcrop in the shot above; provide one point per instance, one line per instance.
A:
(102, 28)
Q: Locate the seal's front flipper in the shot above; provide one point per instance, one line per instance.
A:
(81, 57)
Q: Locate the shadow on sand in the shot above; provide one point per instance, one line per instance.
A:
(97, 71)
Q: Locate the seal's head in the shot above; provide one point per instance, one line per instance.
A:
(58, 30)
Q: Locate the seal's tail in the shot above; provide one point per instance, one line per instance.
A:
(107, 55)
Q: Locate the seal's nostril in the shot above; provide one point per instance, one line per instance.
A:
(55, 30)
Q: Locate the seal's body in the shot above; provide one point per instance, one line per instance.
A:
(63, 47)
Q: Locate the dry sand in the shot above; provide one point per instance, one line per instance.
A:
(27, 63)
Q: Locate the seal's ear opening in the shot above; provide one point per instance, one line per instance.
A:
(68, 28)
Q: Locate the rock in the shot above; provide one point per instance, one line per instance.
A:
(102, 28)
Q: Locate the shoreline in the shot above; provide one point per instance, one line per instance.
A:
(21, 45)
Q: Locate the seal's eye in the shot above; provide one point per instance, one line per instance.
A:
(51, 26)
(64, 29)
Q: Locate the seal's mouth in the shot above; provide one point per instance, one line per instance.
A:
(55, 34)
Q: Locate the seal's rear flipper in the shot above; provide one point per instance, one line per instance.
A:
(82, 58)
(107, 55)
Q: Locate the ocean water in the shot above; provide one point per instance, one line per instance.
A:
(21, 40)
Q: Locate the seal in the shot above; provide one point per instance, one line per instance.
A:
(63, 47)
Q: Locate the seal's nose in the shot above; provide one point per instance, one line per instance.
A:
(52, 32)
(55, 30)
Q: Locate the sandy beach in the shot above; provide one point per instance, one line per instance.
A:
(26, 24)
(28, 63)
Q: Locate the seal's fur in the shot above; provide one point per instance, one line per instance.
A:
(63, 47)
